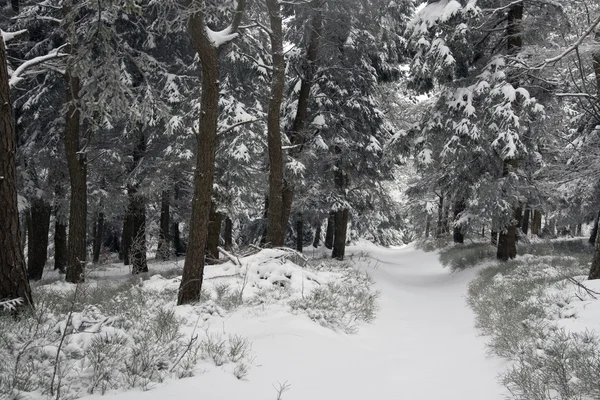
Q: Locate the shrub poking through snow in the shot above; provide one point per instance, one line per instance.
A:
(465, 256)
(343, 302)
(529, 309)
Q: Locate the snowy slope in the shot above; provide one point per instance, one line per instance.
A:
(423, 345)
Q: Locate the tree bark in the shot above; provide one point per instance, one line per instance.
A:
(595, 269)
(60, 245)
(494, 238)
(163, 251)
(77, 165)
(536, 224)
(214, 234)
(427, 226)
(125, 239)
(439, 232)
(98, 237)
(13, 274)
(37, 245)
(136, 231)
(341, 227)
(330, 232)
(228, 234)
(458, 235)
(317, 239)
(525, 223)
(275, 222)
(299, 234)
(193, 269)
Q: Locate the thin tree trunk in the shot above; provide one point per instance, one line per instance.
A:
(37, 246)
(214, 234)
(275, 223)
(427, 226)
(176, 238)
(536, 224)
(439, 232)
(525, 223)
(228, 234)
(13, 274)
(193, 269)
(507, 239)
(317, 239)
(494, 238)
(299, 233)
(163, 251)
(595, 269)
(125, 240)
(60, 245)
(341, 227)
(98, 237)
(136, 219)
(330, 232)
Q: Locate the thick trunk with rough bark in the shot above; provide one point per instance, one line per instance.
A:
(98, 237)
(330, 232)
(38, 227)
(193, 269)
(77, 165)
(275, 223)
(13, 274)
(214, 234)
(163, 251)
(341, 227)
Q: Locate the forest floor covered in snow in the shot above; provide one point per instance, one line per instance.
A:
(387, 323)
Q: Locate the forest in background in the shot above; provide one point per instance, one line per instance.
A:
(200, 127)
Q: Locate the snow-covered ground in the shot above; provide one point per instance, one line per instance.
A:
(423, 345)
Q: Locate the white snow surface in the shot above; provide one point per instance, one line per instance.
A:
(423, 345)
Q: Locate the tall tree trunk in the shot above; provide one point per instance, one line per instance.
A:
(13, 274)
(595, 269)
(458, 235)
(163, 250)
(98, 237)
(214, 234)
(439, 232)
(536, 224)
(228, 234)
(136, 230)
(299, 233)
(525, 223)
(494, 238)
(60, 245)
(427, 225)
(37, 246)
(341, 227)
(176, 238)
(125, 239)
(507, 241)
(317, 239)
(330, 232)
(77, 165)
(275, 223)
(193, 269)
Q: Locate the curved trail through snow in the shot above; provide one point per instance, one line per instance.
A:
(422, 346)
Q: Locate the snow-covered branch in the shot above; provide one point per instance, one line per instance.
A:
(6, 36)
(574, 46)
(15, 76)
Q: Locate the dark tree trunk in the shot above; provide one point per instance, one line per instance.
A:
(263, 238)
(13, 274)
(458, 235)
(594, 232)
(163, 251)
(299, 234)
(439, 232)
(595, 269)
(136, 231)
(193, 269)
(287, 199)
(525, 223)
(98, 237)
(494, 238)
(341, 227)
(14, 4)
(536, 224)
(125, 240)
(176, 238)
(24, 216)
(578, 230)
(60, 245)
(228, 234)
(317, 239)
(37, 245)
(427, 226)
(214, 234)
(77, 165)
(330, 232)
(275, 222)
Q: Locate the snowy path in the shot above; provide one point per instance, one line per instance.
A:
(423, 346)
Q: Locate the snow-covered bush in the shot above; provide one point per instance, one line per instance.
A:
(343, 302)
(465, 256)
(522, 305)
